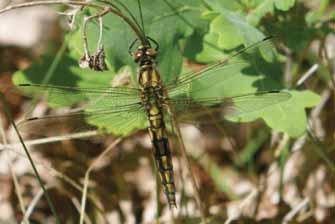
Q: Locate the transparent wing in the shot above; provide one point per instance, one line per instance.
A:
(188, 109)
(222, 70)
(114, 119)
(100, 97)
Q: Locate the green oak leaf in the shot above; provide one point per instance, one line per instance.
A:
(268, 7)
(264, 7)
(169, 25)
(289, 116)
(218, 41)
(68, 74)
(253, 75)
(284, 5)
(164, 24)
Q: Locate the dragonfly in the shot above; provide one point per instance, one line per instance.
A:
(156, 102)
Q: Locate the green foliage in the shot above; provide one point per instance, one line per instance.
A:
(67, 73)
(288, 116)
(120, 124)
(160, 22)
(268, 7)
(205, 31)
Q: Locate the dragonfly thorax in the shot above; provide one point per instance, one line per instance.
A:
(149, 76)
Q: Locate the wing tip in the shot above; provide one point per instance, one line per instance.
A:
(269, 37)
(284, 95)
(23, 84)
(22, 122)
(32, 118)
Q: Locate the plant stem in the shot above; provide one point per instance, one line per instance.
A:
(45, 192)
(188, 165)
(87, 177)
(115, 11)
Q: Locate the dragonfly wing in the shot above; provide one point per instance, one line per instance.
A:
(100, 97)
(188, 109)
(55, 125)
(208, 80)
(222, 70)
(114, 120)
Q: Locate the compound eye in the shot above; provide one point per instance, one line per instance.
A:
(151, 52)
(137, 56)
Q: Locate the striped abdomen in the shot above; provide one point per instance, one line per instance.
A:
(163, 159)
(152, 95)
(162, 153)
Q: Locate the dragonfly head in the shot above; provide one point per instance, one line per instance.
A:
(145, 54)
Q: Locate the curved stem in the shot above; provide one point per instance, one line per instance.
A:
(115, 11)
(50, 2)
(31, 161)
(133, 26)
(87, 177)
(181, 144)
(125, 8)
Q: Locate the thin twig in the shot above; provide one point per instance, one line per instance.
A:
(281, 145)
(321, 149)
(87, 176)
(72, 14)
(323, 54)
(84, 34)
(49, 2)
(140, 35)
(243, 205)
(308, 74)
(100, 41)
(65, 178)
(76, 204)
(315, 118)
(288, 67)
(46, 194)
(50, 71)
(182, 184)
(51, 139)
(33, 203)
(289, 216)
(188, 165)
(18, 192)
(14, 177)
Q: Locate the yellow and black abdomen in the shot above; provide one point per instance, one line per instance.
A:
(162, 154)
(152, 95)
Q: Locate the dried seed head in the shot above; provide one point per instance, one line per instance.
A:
(95, 62)
(84, 61)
